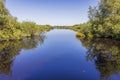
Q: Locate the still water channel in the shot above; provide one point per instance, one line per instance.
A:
(60, 55)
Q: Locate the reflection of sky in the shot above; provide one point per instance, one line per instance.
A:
(53, 12)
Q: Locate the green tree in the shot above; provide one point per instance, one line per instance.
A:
(11, 29)
(105, 19)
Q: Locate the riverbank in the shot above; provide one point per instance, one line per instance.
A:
(12, 29)
(60, 52)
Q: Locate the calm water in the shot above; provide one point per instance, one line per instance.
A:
(59, 55)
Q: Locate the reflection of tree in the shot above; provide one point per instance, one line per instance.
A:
(105, 54)
(9, 49)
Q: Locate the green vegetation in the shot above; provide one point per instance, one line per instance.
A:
(104, 21)
(11, 29)
(84, 29)
(80, 35)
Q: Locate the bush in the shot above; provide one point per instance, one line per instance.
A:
(81, 35)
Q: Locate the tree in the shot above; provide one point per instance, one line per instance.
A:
(105, 18)
(11, 29)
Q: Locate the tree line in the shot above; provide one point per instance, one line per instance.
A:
(104, 21)
(11, 29)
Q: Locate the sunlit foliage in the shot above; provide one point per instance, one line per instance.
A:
(11, 29)
(104, 21)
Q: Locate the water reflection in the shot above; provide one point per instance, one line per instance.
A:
(61, 57)
(105, 54)
(10, 49)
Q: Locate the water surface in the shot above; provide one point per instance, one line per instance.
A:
(59, 55)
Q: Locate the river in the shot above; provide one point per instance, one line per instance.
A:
(60, 55)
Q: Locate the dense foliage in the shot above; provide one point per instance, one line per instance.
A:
(104, 20)
(11, 29)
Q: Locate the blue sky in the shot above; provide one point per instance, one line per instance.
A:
(52, 12)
